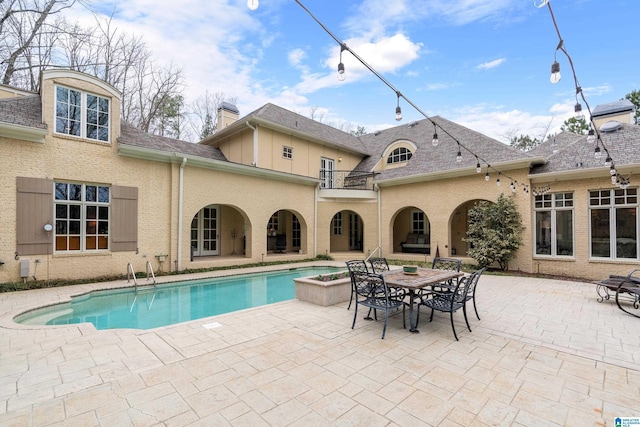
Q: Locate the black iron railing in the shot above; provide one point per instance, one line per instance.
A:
(348, 180)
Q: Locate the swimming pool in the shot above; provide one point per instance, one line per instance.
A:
(176, 302)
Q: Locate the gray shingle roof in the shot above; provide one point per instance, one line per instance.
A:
(613, 107)
(298, 124)
(429, 159)
(22, 110)
(561, 140)
(623, 145)
(131, 135)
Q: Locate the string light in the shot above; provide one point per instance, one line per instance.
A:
(435, 140)
(593, 135)
(341, 75)
(478, 168)
(555, 72)
(253, 5)
(597, 153)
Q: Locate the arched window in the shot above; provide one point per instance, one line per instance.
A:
(398, 155)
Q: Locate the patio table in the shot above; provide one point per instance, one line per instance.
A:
(413, 282)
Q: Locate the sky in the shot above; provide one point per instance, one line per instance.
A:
(484, 64)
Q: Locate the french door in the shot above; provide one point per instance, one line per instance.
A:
(327, 166)
(204, 232)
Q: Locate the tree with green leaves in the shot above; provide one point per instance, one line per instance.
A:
(634, 97)
(359, 131)
(494, 232)
(524, 142)
(573, 125)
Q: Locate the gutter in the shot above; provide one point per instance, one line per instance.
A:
(23, 133)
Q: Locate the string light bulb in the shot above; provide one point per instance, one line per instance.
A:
(459, 155)
(398, 110)
(498, 182)
(555, 72)
(341, 75)
(578, 114)
(597, 153)
(486, 176)
(253, 4)
(478, 168)
(612, 170)
(591, 136)
(435, 140)
(608, 161)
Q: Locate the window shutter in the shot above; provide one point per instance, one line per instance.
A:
(34, 209)
(124, 219)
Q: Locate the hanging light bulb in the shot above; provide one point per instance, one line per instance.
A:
(478, 168)
(555, 72)
(579, 115)
(612, 170)
(486, 176)
(540, 3)
(597, 153)
(498, 182)
(608, 161)
(253, 4)
(513, 187)
(591, 136)
(341, 75)
(435, 141)
(398, 109)
(459, 155)
(614, 179)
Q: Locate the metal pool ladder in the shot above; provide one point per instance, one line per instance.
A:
(131, 273)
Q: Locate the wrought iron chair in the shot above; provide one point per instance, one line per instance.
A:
(452, 264)
(372, 291)
(448, 301)
(355, 266)
(471, 293)
(625, 288)
(378, 265)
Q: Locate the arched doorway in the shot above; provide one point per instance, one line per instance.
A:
(459, 224)
(346, 232)
(218, 230)
(286, 233)
(411, 231)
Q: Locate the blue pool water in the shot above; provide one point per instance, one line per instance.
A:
(173, 303)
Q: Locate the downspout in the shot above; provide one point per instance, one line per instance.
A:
(315, 221)
(180, 200)
(375, 186)
(255, 143)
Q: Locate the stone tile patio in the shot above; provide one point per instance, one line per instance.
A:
(545, 353)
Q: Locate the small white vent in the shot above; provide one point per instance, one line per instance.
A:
(610, 126)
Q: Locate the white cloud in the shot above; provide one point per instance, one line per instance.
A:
(491, 64)
(296, 56)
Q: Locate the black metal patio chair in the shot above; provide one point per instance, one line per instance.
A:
(372, 291)
(379, 265)
(471, 292)
(448, 300)
(355, 265)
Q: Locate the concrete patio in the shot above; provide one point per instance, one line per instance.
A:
(545, 353)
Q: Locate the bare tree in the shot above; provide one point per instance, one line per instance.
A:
(203, 116)
(22, 23)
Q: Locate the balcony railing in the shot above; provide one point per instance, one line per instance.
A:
(347, 180)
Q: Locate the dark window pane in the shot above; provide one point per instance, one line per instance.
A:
(62, 94)
(92, 102)
(75, 192)
(103, 227)
(104, 105)
(90, 193)
(92, 212)
(61, 211)
(74, 211)
(61, 191)
(74, 227)
(61, 227)
(600, 240)
(564, 233)
(103, 194)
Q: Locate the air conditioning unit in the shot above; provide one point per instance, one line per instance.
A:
(24, 268)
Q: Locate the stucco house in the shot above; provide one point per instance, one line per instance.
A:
(84, 195)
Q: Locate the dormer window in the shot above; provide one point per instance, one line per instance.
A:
(399, 155)
(82, 114)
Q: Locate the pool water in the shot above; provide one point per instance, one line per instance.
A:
(173, 303)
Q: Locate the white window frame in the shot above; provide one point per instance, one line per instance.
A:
(617, 198)
(399, 155)
(337, 224)
(84, 114)
(287, 152)
(553, 203)
(84, 222)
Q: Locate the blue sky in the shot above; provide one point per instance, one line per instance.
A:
(483, 64)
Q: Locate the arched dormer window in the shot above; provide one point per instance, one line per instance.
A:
(400, 154)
